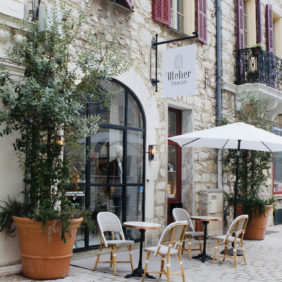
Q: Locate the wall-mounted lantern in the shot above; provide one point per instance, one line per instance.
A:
(152, 151)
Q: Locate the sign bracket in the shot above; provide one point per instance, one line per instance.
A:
(155, 44)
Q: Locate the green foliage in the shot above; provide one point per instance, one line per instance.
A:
(253, 165)
(47, 109)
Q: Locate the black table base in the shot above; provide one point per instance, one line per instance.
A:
(230, 252)
(138, 272)
(202, 257)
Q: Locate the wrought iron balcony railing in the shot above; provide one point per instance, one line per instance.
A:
(256, 65)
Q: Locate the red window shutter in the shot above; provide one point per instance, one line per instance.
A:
(240, 23)
(161, 11)
(269, 28)
(202, 21)
(258, 21)
(129, 4)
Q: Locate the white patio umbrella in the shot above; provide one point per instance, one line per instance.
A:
(232, 136)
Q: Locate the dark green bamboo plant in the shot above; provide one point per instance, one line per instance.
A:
(47, 109)
(253, 165)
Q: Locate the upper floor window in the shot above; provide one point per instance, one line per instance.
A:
(249, 28)
(177, 14)
(185, 16)
(277, 31)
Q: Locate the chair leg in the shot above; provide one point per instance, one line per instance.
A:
(114, 249)
(189, 247)
(98, 257)
(215, 250)
(146, 266)
(243, 253)
(168, 268)
(162, 266)
(181, 266)
(225, 252)
(130, 256)
(235, 256)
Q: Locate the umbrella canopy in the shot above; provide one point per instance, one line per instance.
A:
(232, 136)
(227, 137)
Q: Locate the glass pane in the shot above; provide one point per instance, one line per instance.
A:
(172, 166)
(75, 154)
(79, 239)
(106, 157)
(278, 168)
(134, 196)
(134, 113)
(101, 201)
(180, 6)
(134, 157)
(180, 22)
(115, 113)
(78, 198)
(172, 123)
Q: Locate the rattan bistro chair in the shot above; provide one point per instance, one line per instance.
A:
(170, 243)
(234, 237)
(109, 222)
(182, 214)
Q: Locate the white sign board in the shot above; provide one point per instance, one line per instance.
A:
(179, 71)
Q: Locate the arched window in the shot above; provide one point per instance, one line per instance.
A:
(109, 170)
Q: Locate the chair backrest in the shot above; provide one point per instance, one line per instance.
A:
(180, 214)
(173, 234)
(109, 222)
(238, 226)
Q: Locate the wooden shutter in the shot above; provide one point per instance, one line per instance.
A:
(161, 11)
(269, 28)
(240, 23)
(202, 21)
(128, 3)
(258, 21)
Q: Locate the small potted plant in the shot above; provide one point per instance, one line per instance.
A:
(47, 111)
(254, 196)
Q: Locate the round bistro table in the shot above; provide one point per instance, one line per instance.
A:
(205, 220)
(142, 226)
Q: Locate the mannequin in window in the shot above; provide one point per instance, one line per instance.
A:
(115, 177)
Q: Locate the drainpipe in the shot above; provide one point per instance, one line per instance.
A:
(218, 85)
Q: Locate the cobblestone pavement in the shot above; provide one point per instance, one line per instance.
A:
(263, 264)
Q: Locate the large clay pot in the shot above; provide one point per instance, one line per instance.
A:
(43, 254)
(257, 226)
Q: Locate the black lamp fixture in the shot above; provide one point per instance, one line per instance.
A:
(152, 150)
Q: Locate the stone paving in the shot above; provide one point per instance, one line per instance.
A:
(264, 260)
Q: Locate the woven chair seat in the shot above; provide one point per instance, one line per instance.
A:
(120, 242)
(229, 238)
(162, 251)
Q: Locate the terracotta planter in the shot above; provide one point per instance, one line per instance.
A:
(43, 254)
(257, 226)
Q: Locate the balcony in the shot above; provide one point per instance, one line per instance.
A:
(253, 65)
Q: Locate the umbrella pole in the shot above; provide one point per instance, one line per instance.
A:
(236, 179)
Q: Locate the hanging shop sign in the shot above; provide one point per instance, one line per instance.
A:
(179, 71)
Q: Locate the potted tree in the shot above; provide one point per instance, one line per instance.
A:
(254, 196)
(47, 110)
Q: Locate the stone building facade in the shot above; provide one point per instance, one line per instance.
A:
(201, 182)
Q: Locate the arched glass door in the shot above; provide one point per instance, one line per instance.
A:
(109, 174)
